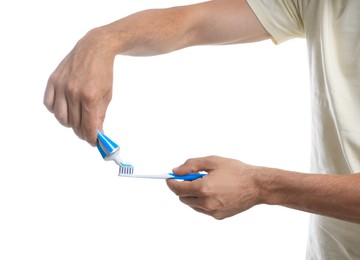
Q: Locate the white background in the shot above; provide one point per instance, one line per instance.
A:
(60, 200)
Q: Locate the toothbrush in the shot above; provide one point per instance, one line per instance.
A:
(110, 151)
(127, 170)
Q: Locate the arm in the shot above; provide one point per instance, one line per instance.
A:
(232, 187)
(80, 89)
(331, 195)
(154, 32)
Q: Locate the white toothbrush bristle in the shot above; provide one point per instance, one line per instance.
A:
(126, 169)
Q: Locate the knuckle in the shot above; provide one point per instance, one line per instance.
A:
(189, 161)
(53, 78)
(48, 103)
(213, 209)
(78, 132)
(76, 92)
(213, 158)
(72, 91)
(76, 127)
(63, 120)
(207, 204)
(217, 215)
(205, 191)
(182, 200)
(90, 139)
(89, 96)
(173, 188)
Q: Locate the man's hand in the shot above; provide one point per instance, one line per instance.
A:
(229, 188)
(79, 91)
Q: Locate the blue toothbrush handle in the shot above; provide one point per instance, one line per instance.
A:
(187, 177)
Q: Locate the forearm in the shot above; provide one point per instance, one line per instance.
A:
(158, 31)
(149, 32)
(80, 89)
(330, 195)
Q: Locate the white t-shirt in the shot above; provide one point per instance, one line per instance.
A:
(332, 31)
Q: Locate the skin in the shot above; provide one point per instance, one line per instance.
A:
(232, 186)
(79, 91)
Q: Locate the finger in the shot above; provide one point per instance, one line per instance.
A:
(89, 115)
(102, 109)
(191, 201)
(200, 210)
(74, 110)
(184, 188)
(49, 97)
(195, 165)
(196, 204)
(61, 109)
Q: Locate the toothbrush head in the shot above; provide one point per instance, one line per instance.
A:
(106, 146)
(126, 169)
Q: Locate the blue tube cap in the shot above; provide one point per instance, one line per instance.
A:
(105, 145)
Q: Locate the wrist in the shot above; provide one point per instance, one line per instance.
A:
(104, 41)
(269, 184)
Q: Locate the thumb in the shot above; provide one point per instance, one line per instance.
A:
(195, 165)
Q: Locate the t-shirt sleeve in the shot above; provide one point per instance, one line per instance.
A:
(282, 19)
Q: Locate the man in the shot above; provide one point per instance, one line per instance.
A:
(79, 91)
